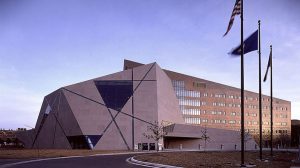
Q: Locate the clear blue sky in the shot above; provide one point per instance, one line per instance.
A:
(47, 44)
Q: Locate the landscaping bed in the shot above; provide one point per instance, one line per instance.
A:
(219, 159)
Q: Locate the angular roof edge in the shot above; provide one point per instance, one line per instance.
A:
(132, 64)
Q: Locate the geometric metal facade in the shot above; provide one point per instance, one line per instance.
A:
(112, 113)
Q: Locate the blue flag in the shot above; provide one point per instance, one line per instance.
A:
(250, 44)
(269, 65)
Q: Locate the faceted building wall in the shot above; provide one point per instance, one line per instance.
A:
(107, 113)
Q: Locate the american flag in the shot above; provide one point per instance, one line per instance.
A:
(236, 11)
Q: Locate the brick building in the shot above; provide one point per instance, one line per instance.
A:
(216, 105)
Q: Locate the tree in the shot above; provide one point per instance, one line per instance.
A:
(8, 141)
(283, 139)
(205, 137)
(267, 138)
(1, 142)
(157, 130)
(16, 141)
(247, 137)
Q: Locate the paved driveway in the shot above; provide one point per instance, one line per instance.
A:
(106, 161)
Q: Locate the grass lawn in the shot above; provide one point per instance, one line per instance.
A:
(46, 153)
(219, 159)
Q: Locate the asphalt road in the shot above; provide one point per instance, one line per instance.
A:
(107, 161)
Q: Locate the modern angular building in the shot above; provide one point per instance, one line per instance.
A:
(114, 111)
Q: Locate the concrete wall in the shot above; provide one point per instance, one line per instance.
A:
(189, 137)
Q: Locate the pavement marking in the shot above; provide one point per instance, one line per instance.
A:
(131, 160)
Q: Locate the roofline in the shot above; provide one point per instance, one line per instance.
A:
(125, 60)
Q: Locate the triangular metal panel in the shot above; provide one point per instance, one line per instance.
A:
(144, 72)
(127, 108)
(46, 108)
(60, 140)
(86, 89)
(91, 117)
(46, 134)
(145, 101)
(168, 105)
(141, 128)
(125, 124)
(48, 101)
(111, 140)
(66, 118)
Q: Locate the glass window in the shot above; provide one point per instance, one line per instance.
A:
(115, 93)
(231, 122)
(48, 109)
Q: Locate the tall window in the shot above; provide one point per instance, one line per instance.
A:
(189, 102)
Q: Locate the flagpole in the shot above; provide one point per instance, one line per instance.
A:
(271, 94)
(242, 88)
(260, 102)
(132, 111)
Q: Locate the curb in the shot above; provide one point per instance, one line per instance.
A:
(131, 160)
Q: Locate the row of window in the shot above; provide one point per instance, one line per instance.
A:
(222, 95)
(218, 121)
(192, 120)
(182, 92)
(199, 84)
(231, 122)
(179, 87)
(177, 83)
(219, 104)
(191, 111)
(281, 131)
(218, 112)
(223, 104)
(189, 102)
(187, 111)
(246, 122)
(281, 123)
(264, 131)
(282, 115)
(187, 93)
(234, 105)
